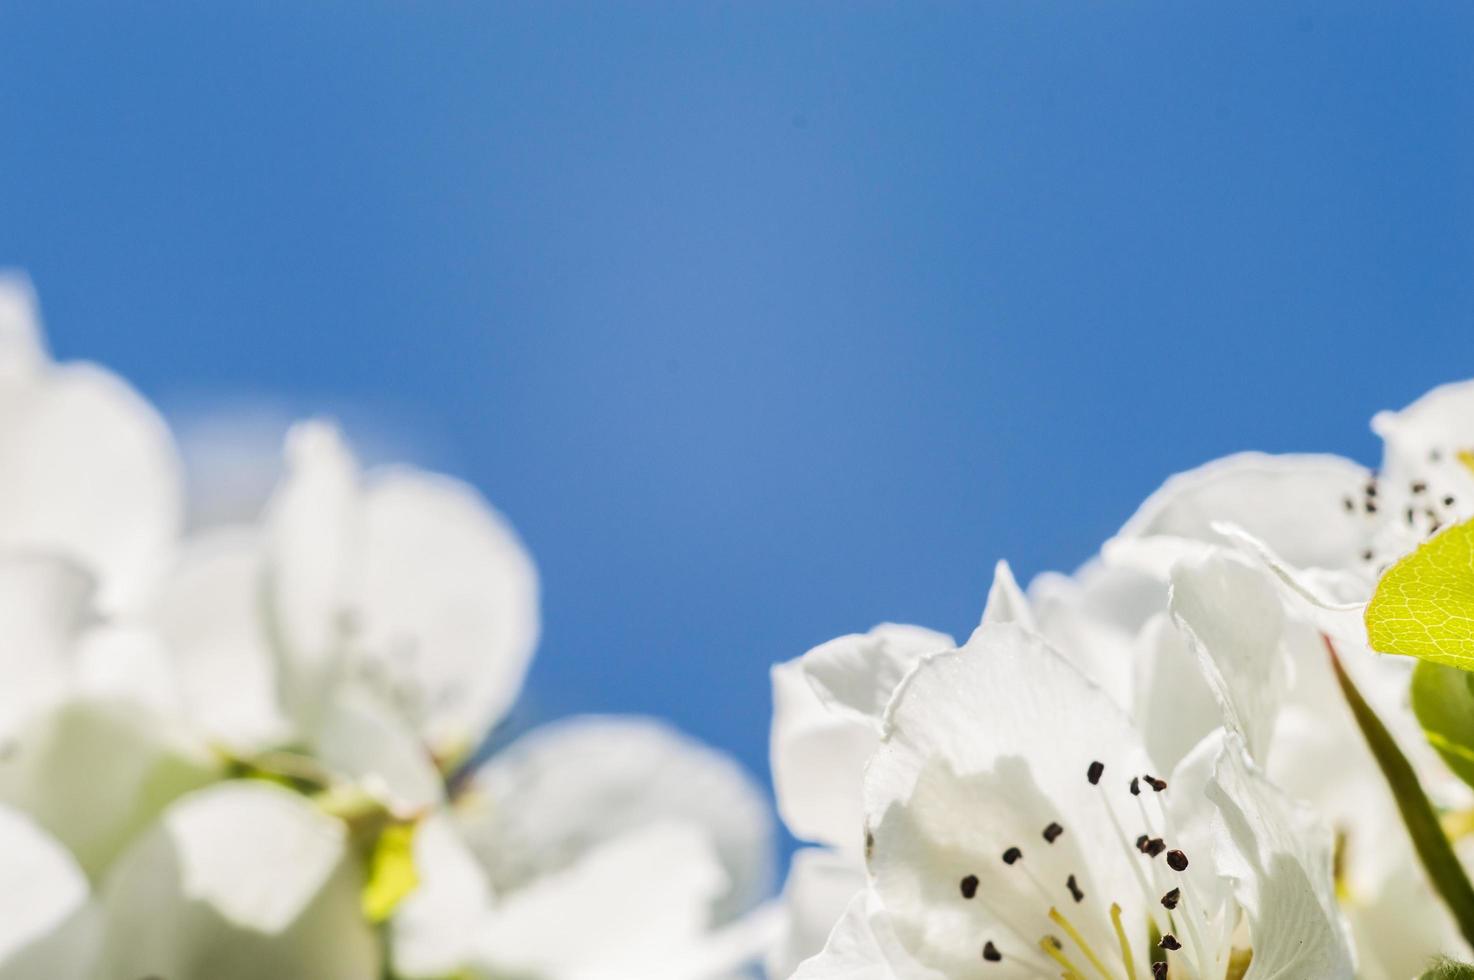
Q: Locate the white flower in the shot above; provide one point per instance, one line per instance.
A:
(1018, 828)
(1283, 692)
(592, 848)
(400, 581)
(1308, 518)
(377, 626)
(357, 646)
(1426, 481)
(383, 621)
(91, 472)
(241, 880)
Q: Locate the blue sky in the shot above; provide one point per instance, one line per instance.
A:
(763, 322)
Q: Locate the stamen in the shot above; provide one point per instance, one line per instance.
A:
(1169, 941)
(990, 952)
(1148, 889)
(1155, 783)
(1094, 772)
(1135, 785)
(1011, 855)
(1179, 918)
(1069, 927)
(1055, 950)
(1075, 891)
(1121, 937)
(1052, 832)
(969, 886)
(1176, 860)
(1159, 971)
(1170, 900)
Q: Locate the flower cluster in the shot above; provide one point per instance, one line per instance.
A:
(1238, 744)
(253, 751)
(1189, 759)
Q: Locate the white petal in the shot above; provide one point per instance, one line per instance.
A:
(410, 577)
(987, 746)
(48, 925)
(209, 613)
(94, 772)
(566, 788)
(1295, 504)
(863, 947)
(1174, 707)
(827, 707)
(1210, 912)
(730, 952)
(1233, 615)
(433, 932)
(1094, 618)
(1399, 925)
(860, 672)
(22, 347)
(821, 885)
(1006, 601)
(243, 880)
(361, 740)
(1280, 861)
(90, 469)
(818, 761)
(1335, 598)
(446, 577)
(127, 662)
(622, 910)
(45, 604)
(315, 534)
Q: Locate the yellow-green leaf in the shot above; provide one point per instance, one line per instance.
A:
(1443, 700)
(1424, 605)
(391, 872)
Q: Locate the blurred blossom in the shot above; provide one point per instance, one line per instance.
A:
(240, 752)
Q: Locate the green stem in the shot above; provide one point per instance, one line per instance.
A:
(1433, 847)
